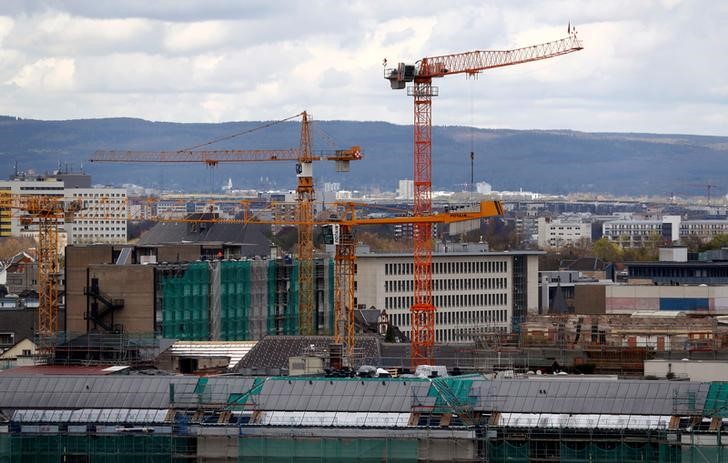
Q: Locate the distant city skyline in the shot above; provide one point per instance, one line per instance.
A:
(648, 66)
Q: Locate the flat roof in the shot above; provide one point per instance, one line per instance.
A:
(456, 254)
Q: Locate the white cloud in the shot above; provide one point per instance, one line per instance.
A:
(190, 37)
(652, 65)
(47, 74)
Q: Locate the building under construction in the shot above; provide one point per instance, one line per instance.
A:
(463, 418)
(111, 291)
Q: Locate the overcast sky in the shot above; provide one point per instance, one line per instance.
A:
(648, 66)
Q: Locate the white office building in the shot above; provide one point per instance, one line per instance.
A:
(102, 218)
(635, 233)
(474, 291)
(555, 233)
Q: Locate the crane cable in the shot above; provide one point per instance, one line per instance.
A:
(472, 144)
(229, 137)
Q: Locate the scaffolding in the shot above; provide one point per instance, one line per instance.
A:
(142, 448)
(104, 348)
(186, 303)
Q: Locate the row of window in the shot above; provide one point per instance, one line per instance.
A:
(448, 284)
(92, 236)
(82, 229)
(486, 317)
(450, 300)
(450, 267)
(99, 195)
(94, 222)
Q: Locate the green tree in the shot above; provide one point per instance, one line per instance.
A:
(717, 242)
(607, 250)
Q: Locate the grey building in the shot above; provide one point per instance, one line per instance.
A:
(474, 290)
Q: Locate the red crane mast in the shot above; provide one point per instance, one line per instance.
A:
(421, 74)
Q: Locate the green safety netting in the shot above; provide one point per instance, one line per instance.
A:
(511, 452)
(240, 399)
(452, 392)
(291, 318)
(234, 300)
(274, 450)
(332, 283)
(185, 308)
(5, 448)
(703, 454)
(271, 320)
(716, 402)
(100, 448)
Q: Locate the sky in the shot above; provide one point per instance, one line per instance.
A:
(647, 65)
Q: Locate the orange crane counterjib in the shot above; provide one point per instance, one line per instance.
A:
(217, 156)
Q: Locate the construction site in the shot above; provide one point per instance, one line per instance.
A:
(203, 342)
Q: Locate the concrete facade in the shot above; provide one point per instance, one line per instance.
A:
(473, 291)
(102, 219)
(555, 233)
(693, 370)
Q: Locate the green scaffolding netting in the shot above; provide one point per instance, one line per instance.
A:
(716, 402)
(234, 300)
(97, 448)
(511, 452)
(274, 450)
(452, 391)
(704, 454)
(271, 320)
(586, 451)
(185, 309)
(331, 297)
(291, 318)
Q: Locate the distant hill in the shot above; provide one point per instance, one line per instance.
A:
(550, 161)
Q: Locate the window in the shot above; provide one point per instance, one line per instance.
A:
(7, 339)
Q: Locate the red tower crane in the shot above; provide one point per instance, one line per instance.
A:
(421, 74)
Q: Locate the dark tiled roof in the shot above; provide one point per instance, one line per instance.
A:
(450, 355)
(585, 264)
(274, 351)
(252, 237)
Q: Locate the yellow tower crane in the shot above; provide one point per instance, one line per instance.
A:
(47, 213)
(304, 157)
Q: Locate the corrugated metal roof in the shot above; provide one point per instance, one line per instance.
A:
(61, 370)
(624, 397)
(353, 395)
(234, 350)
(531, 396)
